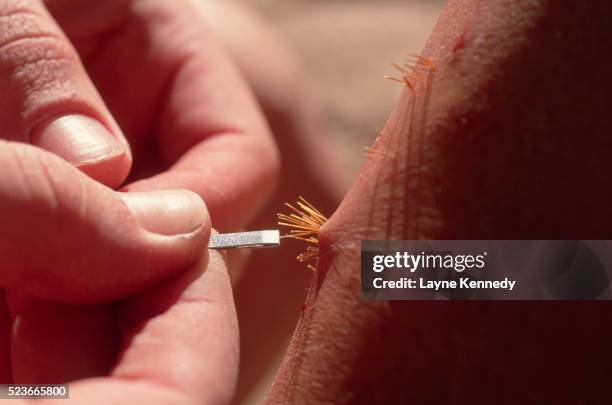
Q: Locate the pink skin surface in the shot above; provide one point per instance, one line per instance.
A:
(509, 138)
(179, 343)
(176, 114)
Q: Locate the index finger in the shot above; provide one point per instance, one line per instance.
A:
(211, 131)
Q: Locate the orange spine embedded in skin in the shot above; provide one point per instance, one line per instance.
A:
(304, 222)
(412, 64)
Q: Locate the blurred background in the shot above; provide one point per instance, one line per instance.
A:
(345, 47)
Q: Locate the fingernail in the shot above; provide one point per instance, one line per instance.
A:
(167, 212)
(79, 139)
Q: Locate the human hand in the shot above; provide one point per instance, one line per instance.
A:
(162, 334)
(55, 245)
(160, 76)
(179, 343)
(188, 116)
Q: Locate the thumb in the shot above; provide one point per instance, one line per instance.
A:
(68, 238)
(183, 335)
(48, 99)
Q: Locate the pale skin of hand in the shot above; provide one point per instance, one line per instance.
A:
(180, 343)
(185, 115)
(516, 116)
(176, 342)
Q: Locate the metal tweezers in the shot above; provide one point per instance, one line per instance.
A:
(255, 239)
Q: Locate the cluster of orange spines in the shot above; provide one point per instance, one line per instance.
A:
(412, 64)
(304, 222)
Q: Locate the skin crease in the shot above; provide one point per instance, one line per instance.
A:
(509, 139)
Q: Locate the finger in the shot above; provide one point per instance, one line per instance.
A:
(66, 237)
(211, 131)
(184, 335)
(54, 343)
(48, 99)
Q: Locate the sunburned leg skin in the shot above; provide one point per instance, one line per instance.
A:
(509, 138)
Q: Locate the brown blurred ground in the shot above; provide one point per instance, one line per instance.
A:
(345, 48)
